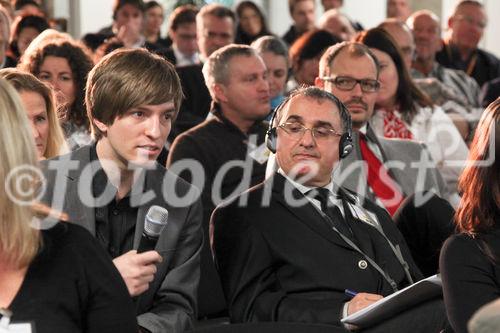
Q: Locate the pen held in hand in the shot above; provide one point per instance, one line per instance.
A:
(350, 293)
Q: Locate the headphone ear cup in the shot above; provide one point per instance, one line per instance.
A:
(345, 145)
(271, 139)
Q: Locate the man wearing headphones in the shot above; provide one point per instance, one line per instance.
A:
(288, 248)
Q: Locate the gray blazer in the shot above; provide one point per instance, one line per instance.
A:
(169, 305)
(350, 174)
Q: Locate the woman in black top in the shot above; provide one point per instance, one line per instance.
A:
(54, 276)
(470, 260)
(251, 23)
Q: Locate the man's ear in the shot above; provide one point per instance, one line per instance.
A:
(100, 125)
(220, 92)
(318, 82)
(450, 21)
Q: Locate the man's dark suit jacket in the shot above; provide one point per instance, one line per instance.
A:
(197, 100)
(280, 263)
(169, 305)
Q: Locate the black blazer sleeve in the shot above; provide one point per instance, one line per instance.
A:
(247, 270)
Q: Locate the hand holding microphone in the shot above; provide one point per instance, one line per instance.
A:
(138, 268)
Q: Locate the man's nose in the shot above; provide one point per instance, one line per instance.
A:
(307, 139)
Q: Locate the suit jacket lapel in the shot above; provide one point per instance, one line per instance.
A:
(305, 213)
(352, 173)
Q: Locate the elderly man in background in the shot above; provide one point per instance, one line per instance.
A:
(337, 24)
(424, 25)
(460, 47)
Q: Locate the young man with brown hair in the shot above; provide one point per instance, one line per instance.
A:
(132, 98)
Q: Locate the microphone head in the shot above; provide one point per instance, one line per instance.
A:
(156, 220)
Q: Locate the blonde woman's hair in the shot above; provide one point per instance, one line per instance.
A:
(23, 81)
(6, 22)
(19, 242)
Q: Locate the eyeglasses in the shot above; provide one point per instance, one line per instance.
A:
(348, 83)
(297, 131)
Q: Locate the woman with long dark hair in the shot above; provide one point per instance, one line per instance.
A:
(64, 64)
(403, 111)
(251, 23)
(470, 260)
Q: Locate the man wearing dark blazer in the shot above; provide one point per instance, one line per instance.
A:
(288, 248)
(132, 98)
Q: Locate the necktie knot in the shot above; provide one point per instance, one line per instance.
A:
(332, 211)
(322, 195)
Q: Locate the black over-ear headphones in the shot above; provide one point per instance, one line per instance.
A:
(345, 144)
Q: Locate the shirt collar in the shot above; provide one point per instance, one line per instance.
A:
(182, 58)
(363, 129)
(303, 188)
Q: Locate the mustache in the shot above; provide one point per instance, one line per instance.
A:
(308, 152)
(356, 101)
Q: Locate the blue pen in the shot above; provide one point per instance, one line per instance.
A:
(350, 293)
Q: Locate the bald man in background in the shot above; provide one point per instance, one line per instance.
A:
(425, 27)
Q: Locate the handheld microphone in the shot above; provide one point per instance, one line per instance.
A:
(156, 219)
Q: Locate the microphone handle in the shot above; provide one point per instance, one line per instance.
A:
(147, 243)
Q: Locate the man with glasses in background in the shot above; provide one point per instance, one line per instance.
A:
(350, 71)
(460, 48)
